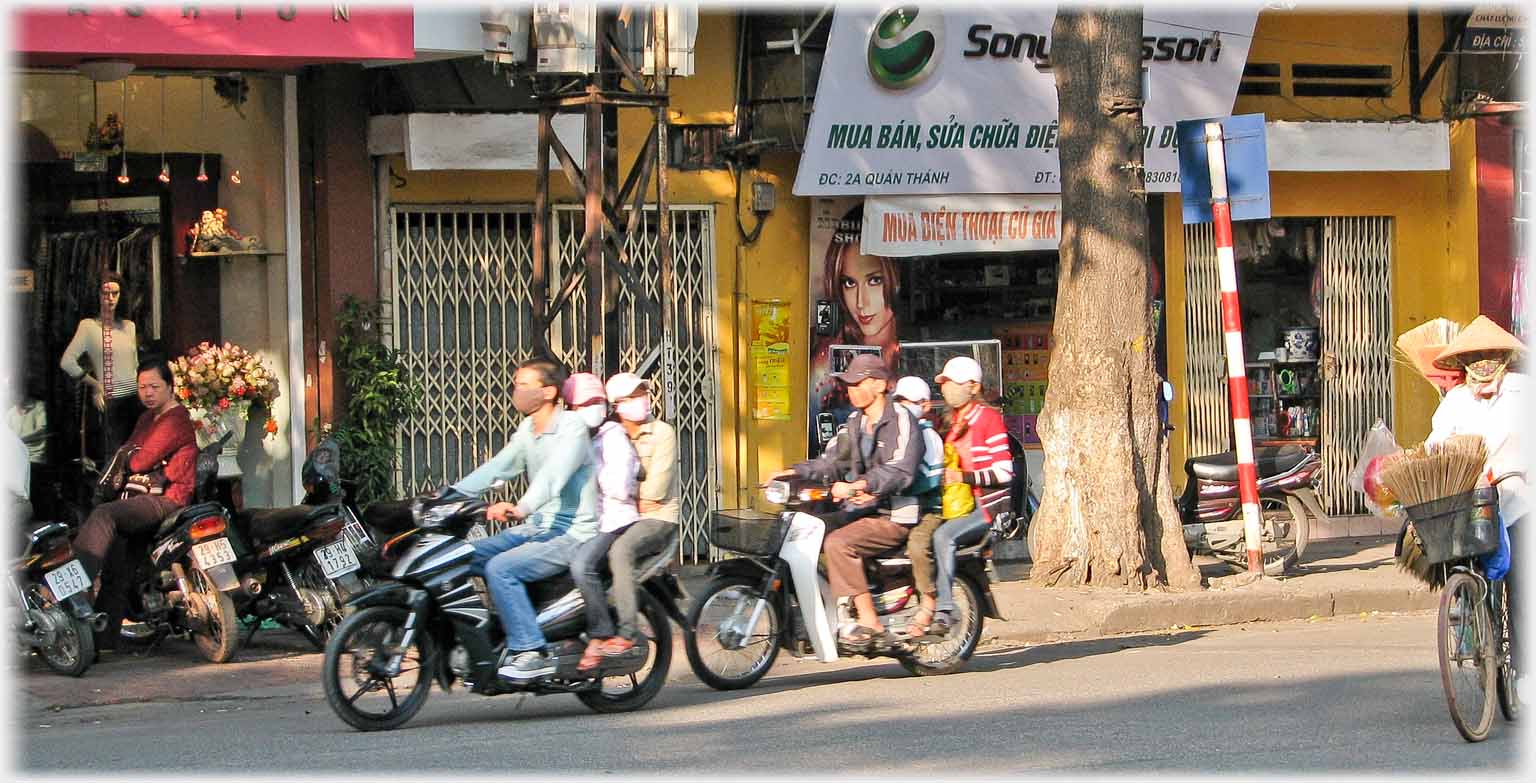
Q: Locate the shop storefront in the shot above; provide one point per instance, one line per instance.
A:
(161, 150)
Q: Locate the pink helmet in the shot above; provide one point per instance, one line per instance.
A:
(582, 388)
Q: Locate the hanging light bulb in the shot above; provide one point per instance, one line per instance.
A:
(165, 168)
(122, 173)
(202, 115)
(234, 177)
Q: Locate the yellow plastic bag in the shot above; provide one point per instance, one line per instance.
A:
(958, 499)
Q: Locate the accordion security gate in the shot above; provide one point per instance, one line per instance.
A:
(463, 319)
(1356, 327)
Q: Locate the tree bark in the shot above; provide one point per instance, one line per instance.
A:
(1107, 516)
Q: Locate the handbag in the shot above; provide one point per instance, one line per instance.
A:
(958, 498)
(115, 476)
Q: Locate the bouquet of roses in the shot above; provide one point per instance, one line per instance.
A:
(213, 380)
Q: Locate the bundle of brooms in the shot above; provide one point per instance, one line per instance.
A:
(1419, 346)
(1431, 472)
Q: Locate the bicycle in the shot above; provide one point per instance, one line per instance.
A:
(1476, 657)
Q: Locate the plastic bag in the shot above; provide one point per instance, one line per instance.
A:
(958, 498)
(1379, 442)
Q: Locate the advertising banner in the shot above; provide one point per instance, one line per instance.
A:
(940, 99)
(1495, 29)
(927, 226)
(770, 359)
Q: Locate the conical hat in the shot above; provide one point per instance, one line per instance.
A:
(1480, 335)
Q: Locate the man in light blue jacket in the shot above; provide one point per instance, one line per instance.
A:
(556, 514)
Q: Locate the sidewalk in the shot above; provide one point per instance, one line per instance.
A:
(1337, 577)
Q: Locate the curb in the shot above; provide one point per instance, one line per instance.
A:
(1263, 602)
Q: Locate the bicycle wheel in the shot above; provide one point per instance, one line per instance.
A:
(1466, 655)
(1509, 698)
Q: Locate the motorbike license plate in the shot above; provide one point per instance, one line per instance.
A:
(476, 531)
(212, 553)
(337, 559)
(67, 579)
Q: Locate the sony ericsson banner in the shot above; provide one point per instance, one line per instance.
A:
(935, 99)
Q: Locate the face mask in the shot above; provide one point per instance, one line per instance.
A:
(636, 409)
(957, 397)
(592, 415)
(526, 400)
(915, 408)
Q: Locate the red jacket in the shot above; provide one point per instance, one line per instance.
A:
(168, 439)
(990, 467)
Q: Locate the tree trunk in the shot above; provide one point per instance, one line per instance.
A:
(1107, 516)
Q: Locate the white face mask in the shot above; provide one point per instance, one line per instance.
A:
(634, 409)
(915, 407)
(593, 415)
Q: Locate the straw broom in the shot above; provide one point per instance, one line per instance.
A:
(1430, 472)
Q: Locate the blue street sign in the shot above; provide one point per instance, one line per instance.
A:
(1247, 168)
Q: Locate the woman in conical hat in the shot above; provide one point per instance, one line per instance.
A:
(1493, 404)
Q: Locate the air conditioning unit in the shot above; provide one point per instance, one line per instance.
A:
(504, 33)
(566, 39)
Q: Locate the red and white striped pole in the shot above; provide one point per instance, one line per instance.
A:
(1232, 330)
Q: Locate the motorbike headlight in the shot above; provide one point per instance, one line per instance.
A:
(776, 492)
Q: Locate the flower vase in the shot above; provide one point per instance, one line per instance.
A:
(215, 424)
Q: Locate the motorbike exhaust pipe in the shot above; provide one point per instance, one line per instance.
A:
(99, 622)
(251, 586)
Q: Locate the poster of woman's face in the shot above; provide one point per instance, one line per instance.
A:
(860, 290)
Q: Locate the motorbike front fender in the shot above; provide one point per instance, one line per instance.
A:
(389, 594)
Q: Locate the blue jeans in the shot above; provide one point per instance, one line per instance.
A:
(509, 561)
(967, 529)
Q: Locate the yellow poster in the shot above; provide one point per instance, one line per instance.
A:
(770, 359)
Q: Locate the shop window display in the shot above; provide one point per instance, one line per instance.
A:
(1280, 280)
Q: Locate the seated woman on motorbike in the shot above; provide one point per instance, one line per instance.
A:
(870, 463)
(161, 456)
(976, 433)
(655, 445)
(618, 471)
(1492, 404)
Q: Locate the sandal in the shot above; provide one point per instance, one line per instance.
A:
(860, 636)
(592, 657)
(940, 625)
(917, 629)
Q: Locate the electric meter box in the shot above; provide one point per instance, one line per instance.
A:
(565, 36)
(504, 33)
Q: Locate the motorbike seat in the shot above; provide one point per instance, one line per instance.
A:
(270, 524)
(1270, 461)
(181, 515)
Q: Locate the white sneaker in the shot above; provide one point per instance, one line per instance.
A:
(527, 665)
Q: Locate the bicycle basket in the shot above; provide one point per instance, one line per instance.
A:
(748, 532)
(1451, 528)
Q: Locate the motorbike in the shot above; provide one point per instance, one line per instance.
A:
(303, 562)
(776, 597)
(433, 621)
(1212, 513)
(54, 614)
(186, 586)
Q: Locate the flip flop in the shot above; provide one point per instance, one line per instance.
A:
(860, 636)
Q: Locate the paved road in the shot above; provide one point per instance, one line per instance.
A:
(1355, 694)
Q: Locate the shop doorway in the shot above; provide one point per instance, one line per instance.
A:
(1317, 330)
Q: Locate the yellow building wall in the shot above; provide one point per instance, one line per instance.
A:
(773, 267)
(1345, 37)
(1434, 262)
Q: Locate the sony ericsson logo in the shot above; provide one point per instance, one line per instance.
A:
(904, 47)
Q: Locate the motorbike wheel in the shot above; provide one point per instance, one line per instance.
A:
(633, 691)
(221, 629)
(368, 639)
(74, 647)
(1286, 532)
(950, 654)
(725, 658)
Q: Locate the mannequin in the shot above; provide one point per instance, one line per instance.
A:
(110, 345)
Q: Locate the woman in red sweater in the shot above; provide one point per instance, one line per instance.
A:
(162, 450)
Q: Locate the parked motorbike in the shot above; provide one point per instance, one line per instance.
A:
(187, 584)
(434, 621)
(776, 597)
(53, 610)
(304, 561)
(1212, 513)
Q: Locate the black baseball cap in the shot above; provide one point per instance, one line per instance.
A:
(865, 365)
